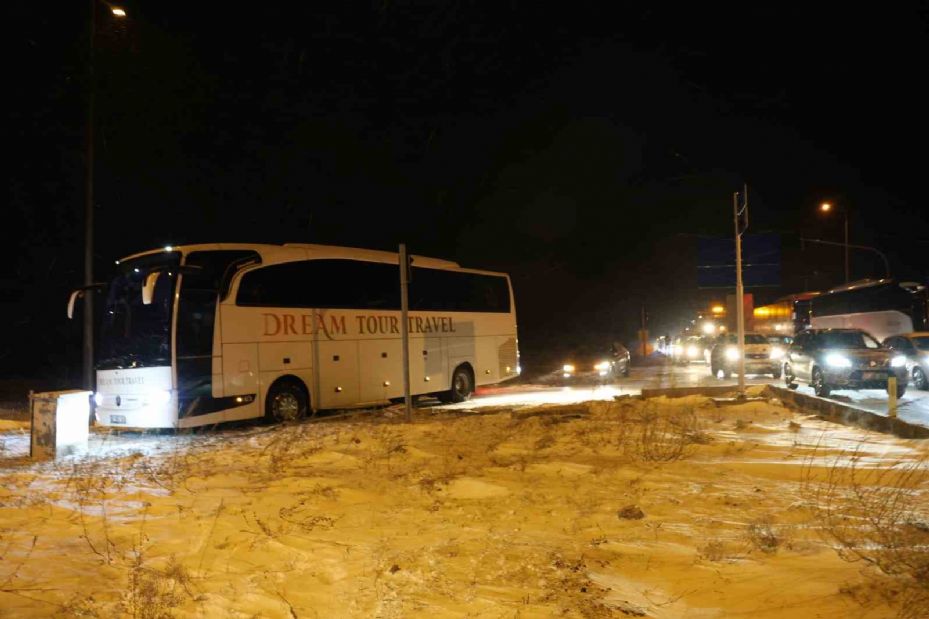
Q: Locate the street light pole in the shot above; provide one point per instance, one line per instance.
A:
(845, 212)
(826, 207)
(88, 345)
(88, 337)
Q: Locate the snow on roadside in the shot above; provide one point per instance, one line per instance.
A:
(518, 512)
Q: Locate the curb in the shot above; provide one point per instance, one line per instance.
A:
(849, 415)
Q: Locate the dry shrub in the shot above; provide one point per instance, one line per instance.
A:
(660, 433)
(878, 515)
(154, 594)
(713, 550)
(763, 536)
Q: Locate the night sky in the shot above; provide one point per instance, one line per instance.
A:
(583, 148)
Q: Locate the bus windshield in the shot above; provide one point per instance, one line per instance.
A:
(134, 334)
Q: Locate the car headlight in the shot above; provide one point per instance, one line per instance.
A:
(898, 361)
(777, 352)
(567, 368)
(732, 353)
(692, 351)
(838, 361)
(160, 396)
(603, 366)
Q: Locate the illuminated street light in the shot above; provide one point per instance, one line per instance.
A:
(827, 207)
(88, 331)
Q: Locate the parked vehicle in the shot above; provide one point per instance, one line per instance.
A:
(760, 356)
(596, 361)
(915, 347)
(831, 359)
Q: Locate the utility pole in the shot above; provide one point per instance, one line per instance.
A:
(88, 344)
(740, 215)
(847, 279)
(405, 328)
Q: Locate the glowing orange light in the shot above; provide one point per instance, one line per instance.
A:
(825, 207)
(717, 309)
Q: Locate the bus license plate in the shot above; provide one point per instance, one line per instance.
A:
(872, 375)
(117, 419)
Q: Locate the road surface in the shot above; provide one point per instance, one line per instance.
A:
(912, 407)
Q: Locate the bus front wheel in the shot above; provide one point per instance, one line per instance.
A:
(462, 386)
(287, 401)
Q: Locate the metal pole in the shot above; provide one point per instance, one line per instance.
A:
(740, 296)
(881, 254)
(847, 279)
(405, 329)
(88, 344)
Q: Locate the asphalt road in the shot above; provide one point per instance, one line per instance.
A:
(912, 407)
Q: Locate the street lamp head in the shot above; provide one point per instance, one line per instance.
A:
(825, 207)
(118, 12)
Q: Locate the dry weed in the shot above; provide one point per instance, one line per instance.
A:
(763, 536)
(878, 515)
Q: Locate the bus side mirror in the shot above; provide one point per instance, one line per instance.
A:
(148, 287)
(74, 296)
(77, 294)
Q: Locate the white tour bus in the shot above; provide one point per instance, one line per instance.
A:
(202, 334)
(883, 307)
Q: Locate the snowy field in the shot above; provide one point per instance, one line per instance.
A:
(663, 508)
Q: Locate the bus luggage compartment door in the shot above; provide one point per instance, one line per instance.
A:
(338, 374)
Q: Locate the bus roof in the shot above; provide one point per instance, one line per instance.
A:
(288, 252)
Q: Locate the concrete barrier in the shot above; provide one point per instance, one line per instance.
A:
(60, 423)
(849, 415)
(826, 409)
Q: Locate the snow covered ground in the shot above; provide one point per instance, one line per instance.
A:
(665, 508)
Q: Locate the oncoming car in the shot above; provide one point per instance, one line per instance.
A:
(761, 357)
(915, 347)
(688, 350)
(596, 361)
(829, 359)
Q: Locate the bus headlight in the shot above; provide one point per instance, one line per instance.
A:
(159, 397)
(98, 399)
(777, 352)
(838, 361)
(732, 353)
(898, 361)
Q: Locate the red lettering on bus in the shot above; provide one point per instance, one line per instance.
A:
(307, 323)
(394, 325)
(337, 324)
(289, 328)
(361, 324)
(269, 319)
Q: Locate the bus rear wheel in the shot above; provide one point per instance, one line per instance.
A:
(287, 401)
(462, 386)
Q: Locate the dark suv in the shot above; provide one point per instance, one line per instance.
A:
(830, 359)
